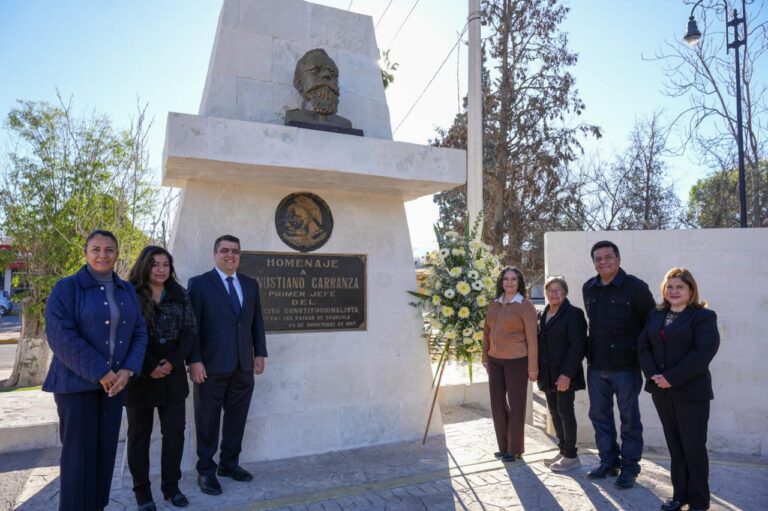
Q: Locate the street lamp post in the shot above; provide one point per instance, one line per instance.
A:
(692, 36)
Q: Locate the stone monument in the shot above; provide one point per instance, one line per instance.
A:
(347, 366)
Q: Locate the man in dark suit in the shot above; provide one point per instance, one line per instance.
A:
(231, 348)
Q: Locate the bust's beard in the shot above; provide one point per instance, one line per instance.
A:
(324, 100)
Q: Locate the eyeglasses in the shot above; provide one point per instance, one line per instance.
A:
(555, 291)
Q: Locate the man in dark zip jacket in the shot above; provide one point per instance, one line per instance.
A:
(617, 305)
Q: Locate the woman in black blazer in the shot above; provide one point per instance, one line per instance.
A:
(562, 346)
(679, 341)
(163, 380)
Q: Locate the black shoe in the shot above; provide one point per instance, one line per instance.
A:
(672, 505)
(602, 471)
(499, 454)
(209, 484)
(238, 473)
(625, 480)
(178, 499)
(147, 506)
(510, 458)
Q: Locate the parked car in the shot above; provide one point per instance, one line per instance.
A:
(6, 305)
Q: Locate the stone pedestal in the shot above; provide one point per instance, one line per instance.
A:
(321, 391)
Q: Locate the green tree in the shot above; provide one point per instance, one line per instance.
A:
(713, 201)
(64, 177)
(529, 138)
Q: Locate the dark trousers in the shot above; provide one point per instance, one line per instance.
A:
(625, 385)
(172, 421)
(685, 429)
(89, 425)
(231, 392)
(508, 383)
(560, 406)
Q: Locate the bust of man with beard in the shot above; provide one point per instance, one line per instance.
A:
(317, 80)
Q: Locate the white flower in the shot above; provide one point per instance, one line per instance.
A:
(455, 271)
(475, 245)
(444, 252)
(482, 301)
(468, 341)
(438, 285)
(436, 300)
(436, 324)
(451, 234)
(480, 264)
(489, 283)
(467, 332)
(447, 311)
(473, 274)
(478, 336)
(449, 293)
(458, 251)
(450, 335)
(477, 285)
(463, 288)
(464, 313)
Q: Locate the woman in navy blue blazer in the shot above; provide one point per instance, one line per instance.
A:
(675, 349)
(97, 333)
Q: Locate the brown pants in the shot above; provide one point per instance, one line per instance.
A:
(507, 381)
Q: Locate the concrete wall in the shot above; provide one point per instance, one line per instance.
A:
(731, 268)
(257, 45)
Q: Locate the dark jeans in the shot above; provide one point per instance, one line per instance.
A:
(172, 421)
(560, 406)
(625, 385)
(685, 429)
(89, 424)
(508, 384)
(231, 393)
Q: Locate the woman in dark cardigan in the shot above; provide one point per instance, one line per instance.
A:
(562, 346)
(163, 380)
(675, 349)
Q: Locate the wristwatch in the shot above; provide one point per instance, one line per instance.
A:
(130, 373)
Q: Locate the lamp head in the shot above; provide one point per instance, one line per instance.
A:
(692, 36)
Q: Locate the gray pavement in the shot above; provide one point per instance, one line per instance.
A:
(455, 471)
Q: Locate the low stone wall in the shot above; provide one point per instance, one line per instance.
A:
(731, 268)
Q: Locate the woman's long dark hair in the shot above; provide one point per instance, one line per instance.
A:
(139, 277)
(520, 281)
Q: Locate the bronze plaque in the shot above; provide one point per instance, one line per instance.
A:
(309, 292)
(303, 221)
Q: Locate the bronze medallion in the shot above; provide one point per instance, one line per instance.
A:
(303, 221)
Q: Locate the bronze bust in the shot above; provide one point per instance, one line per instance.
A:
(317, 79)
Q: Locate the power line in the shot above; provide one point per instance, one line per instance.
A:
(431, 79)
(350, 4)
(382, 14)
(402, 24)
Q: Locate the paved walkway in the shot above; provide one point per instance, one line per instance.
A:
(456, 471)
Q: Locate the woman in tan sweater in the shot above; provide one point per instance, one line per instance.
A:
(510, 355)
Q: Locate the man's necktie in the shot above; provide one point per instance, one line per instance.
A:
(233, 296)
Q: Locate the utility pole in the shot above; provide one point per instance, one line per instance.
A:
(474, 120)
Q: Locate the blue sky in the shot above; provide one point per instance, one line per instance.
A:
(106, 54)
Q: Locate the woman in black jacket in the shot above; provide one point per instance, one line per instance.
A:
(562, 346)
(675, 349)
(163, 381)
